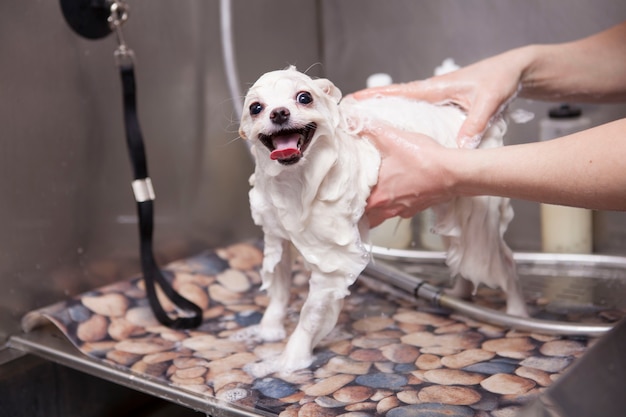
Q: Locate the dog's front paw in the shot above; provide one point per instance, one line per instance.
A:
(248, 334)
(260, 333)
(272, 333)
(262, 369)
(297, 355)
(289, 363)
(270, 363)
(282, 364)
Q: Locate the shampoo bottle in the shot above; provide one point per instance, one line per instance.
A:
(565, 229)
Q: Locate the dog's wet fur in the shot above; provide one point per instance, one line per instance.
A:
(312, 178)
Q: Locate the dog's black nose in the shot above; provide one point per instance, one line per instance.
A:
(279, 115)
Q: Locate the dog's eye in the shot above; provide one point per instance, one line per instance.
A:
(304, 97)
(256, 108)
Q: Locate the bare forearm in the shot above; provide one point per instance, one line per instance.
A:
(586, 169)
(589, 69)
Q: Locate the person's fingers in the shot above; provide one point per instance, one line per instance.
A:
(378, 215)
(424, 90)
(386, 90)
(374, 218)
(374, 128)
(378, 133)
(477, 122)
(470, 134)
(472, 129)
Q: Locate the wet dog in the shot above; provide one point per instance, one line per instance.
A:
(312, 178)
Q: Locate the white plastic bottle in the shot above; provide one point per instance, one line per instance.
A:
(565, 229)
(392, 233)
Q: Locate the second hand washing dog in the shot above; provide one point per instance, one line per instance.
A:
(312, 178)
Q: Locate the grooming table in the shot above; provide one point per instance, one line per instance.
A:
(389, 354)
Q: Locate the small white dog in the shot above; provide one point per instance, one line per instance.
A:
(312, 179)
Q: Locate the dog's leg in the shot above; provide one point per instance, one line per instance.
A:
(276, 275)
(515, 304)
(317, 319)
(462, 288)
(477, 251)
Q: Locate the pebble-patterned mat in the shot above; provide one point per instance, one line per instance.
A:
(387, 356)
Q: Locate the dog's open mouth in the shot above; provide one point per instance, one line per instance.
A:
(287, 146)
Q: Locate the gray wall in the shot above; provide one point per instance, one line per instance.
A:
(67, 218)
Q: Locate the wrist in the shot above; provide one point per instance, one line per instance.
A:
(454, 171)
(468, 172)
(528, 60)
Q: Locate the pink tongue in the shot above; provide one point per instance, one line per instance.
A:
(285, 147)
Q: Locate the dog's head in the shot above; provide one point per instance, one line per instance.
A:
(285, 111)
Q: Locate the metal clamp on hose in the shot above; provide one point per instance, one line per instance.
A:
(143, 190)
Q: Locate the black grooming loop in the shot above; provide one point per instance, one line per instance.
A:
(188, 315)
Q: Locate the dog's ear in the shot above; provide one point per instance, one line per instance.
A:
(328, 88)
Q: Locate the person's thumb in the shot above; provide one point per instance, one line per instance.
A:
(377, 132)
(469, 137)
(474, 126)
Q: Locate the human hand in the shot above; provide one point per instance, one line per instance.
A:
(483, 90)
(412, 175)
